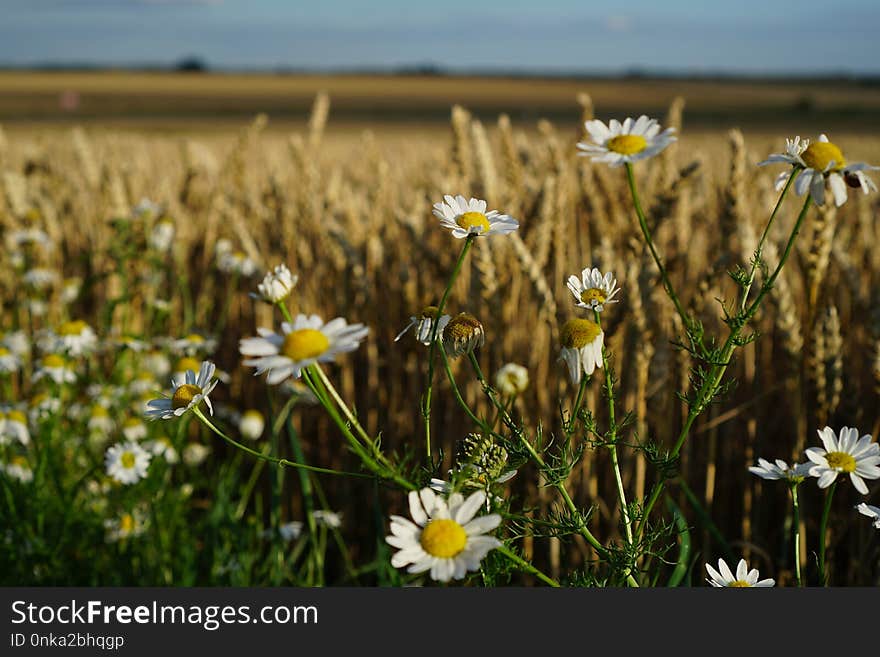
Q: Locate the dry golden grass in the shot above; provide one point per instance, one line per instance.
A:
(350, 212)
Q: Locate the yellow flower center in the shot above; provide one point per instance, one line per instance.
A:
(462, 327)
(578, 333)
(126, 523)
(820, 154)
(593, 294)
(194, 338)
(470, 220)
(739, 584)
(134, 422)
(303, 344)
(127, 459)
(99, 411)
(53, 360)
(429, 312)
(4, 351)
(20, 461)
(16, 416)
(443, 538)
(841, 461)
(75, 327)
(187, 364)
(184, 395)
(627, 144)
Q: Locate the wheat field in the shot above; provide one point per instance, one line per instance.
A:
(350, 213)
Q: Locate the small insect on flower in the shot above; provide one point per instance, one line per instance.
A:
(186, 394)
(76, 338)
(56, 368)
(780, 470)
(593, 290)
(872, 512)
(19, 469)
(512, 379)
(469, 217)
(251, 424)
(821, 161)
(127, 462)
(582, 341)
(277, 285)
(462, 334)
(743, 579)
(846, 453)
(620, 143)
(444, 536)
(424, 325)
(306, 341)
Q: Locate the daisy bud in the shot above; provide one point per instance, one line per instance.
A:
(277, 285)
(251, 424)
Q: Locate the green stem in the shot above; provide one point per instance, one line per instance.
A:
(342, 405)
(796, 513)
(426, 404)
(716, 372)
(823, 527)
(526, 566)
(457, 393)
(271, 459)
(285, 312)
(646, 233)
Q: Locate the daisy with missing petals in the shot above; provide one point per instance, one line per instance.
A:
(780, 470)
(821, 160)
(424, 325)
(469, 217)
(593, 290)
(743, 579)
(443, 537)
(582, 341)
(872, 512)
(277, 285)
(621, 143)
(186, 394)
(305, 342)
(127, 462)
(846, 453)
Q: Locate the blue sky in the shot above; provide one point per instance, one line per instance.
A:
(755, 36)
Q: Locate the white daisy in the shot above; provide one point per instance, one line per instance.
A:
(193, 345)
(251, 424)
(872, 512)
(469, 217)
(127, 462)
(162, 235)
(40, 279)
(780, 470)
(290, 531)
(128, 525)
(17, 342)
(630, 141)
(29, 237)
(100, 421)
(305, 342)
(744, 577)
(163, 447)
(186, 394)
(75, 338)
(70, 289)
(146, 209)
(277, 285)
(424, 325)
(56, 368)
(593, 290)
(858, 457)
(236, 262)
(445, 537)
(582, 341)
(821, 160)
(9, 362)
(512, 379)
(19, 469)
(195, 454)
(330, 519)
(133, 429)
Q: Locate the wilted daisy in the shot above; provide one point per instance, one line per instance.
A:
(469, 217)
(9, 362)
(443, 537)
(195, 454)
(593, 290)
(306, 341)
(512, 379)
(186, 394)
(872, 512)
(127, 462)
(630, 141)
(462, 334)
(128, 525)
(744, 577)
(582, 341)
(251, 424)
(19, 469)
(821, 160)
(56, 368)
(133, 429)
(330, 519)
(780, 470)
(277, 285)
(75, 338)
(846, 453)
(424, 325)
